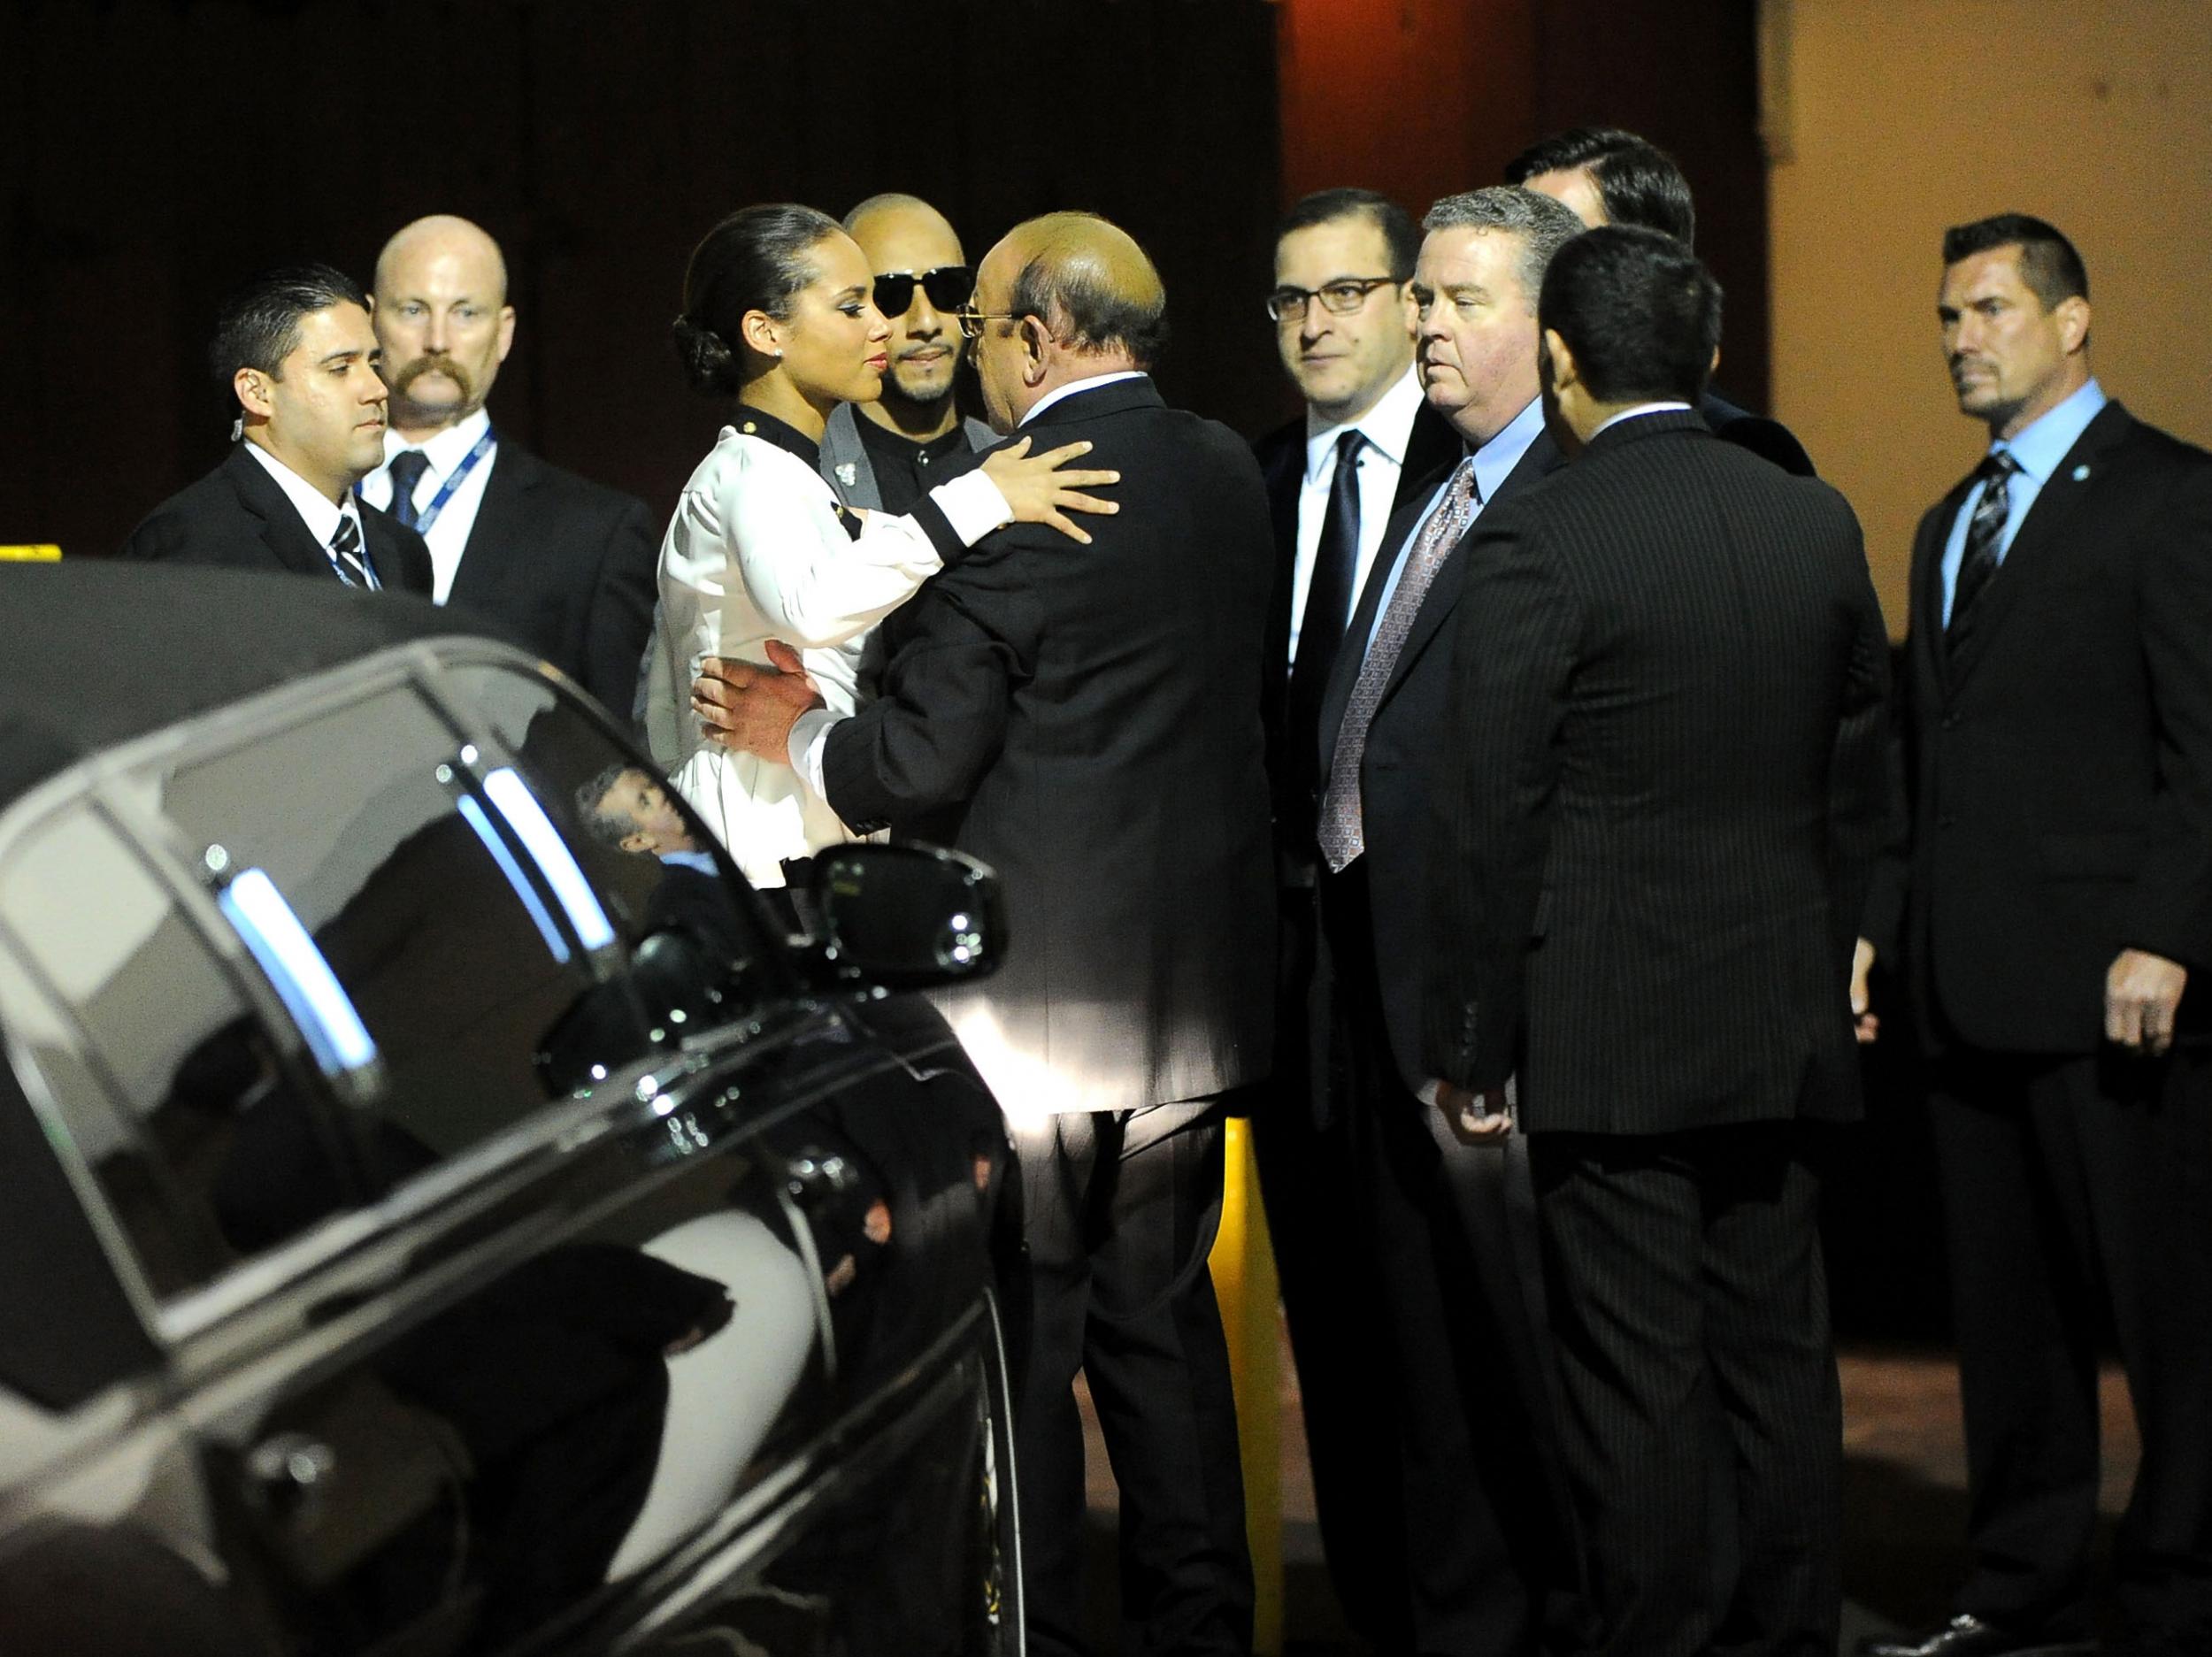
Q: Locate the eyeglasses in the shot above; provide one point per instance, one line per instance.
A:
(947, 286)
(971, 320)
(1339, 299)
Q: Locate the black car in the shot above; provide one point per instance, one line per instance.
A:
(441, 1209)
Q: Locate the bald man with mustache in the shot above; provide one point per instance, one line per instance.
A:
(1087, 720)
(561, 565)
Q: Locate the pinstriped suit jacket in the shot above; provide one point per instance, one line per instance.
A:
(1661, 786)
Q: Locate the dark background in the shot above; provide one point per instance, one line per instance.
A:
(154, 152)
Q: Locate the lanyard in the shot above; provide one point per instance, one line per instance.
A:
(446, 490)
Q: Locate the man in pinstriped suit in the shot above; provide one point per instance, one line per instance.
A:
(1661, 786)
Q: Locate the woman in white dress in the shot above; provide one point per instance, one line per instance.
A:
(779, 312)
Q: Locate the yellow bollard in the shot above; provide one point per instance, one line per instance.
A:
(1243, 1267)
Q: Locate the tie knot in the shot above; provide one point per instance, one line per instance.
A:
(407, 469)
(347, 536)
(1998, 465)
(1463, 486)
(1347, 447)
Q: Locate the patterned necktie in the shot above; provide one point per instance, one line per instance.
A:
(1328, 606)
(349, 557)
(1342, 832)
(407, 469)
(1984, 531)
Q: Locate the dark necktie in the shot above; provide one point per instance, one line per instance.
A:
(1985, 532)
(349, 556)
(1328, 604)
(407, 469)
(1343, 831)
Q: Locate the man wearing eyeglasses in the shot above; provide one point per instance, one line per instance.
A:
(887, 454)
(1366, 444)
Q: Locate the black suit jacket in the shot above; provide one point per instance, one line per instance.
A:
(1432, 449)
(1665, 779)
(1087, 720)
(1770, 439)
(566, 568)
(1395, 770)
(237, 516)
(2060, 763)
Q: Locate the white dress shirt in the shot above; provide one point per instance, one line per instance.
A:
(1387, 428)
(448, 533)
(318, 512)
(756, 551)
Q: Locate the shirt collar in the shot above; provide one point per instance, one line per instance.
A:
(1494, 461)
(2037, 449)
(1674, 407)
(444, 450)
(1387, 425)
(758, 423)
(1059, 392)
(320, 516)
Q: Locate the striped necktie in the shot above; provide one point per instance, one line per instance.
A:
(1984, 531)
(349, 557)
(1342, 831)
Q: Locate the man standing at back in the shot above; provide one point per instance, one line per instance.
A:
(1367, 443)
(887, 454)
(294, 349)
(1664, 779)
(1485, 1566)
(1086, 721)
(2058, 714)
(562, 565)
(1610, 177)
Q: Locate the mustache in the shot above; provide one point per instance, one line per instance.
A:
(434, 363)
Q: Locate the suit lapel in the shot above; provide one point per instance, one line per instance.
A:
(1433, 448)
(282, 532)
(2041, 539)
(1927, 590)
(1542, 457)
(481, 571)
(1344, 672)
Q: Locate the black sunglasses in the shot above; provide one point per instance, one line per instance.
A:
(947, 286)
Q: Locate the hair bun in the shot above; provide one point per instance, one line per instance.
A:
(709, 362)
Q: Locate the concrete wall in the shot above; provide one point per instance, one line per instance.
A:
(1891, 119)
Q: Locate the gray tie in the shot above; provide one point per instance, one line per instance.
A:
(349, 557)
(1342, 835)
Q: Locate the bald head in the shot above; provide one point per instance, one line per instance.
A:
(1091, 282)
(443, 319)
(1076, 298)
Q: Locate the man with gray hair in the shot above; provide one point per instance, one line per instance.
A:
(1489, 1568)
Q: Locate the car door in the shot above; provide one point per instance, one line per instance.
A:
(466, 1225)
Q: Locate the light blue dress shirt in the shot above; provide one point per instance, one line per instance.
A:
(2036, 452)
(1493, 463)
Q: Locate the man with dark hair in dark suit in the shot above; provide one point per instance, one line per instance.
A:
(2057, 717)
(1089, 726)
(1367, 444)
(1662, 782)
(294, 349)
(1485, 1567)
(1611, 177)
(561, 566)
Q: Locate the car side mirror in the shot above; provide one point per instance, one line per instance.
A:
(907, 916)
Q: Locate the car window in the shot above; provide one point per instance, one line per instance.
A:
(695, 941)
(411, 910)
(170, 1090)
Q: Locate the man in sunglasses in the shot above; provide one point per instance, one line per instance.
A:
(888, 454)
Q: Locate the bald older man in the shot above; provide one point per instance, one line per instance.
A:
(561, 565)
(892, 451)
(1088, 722)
